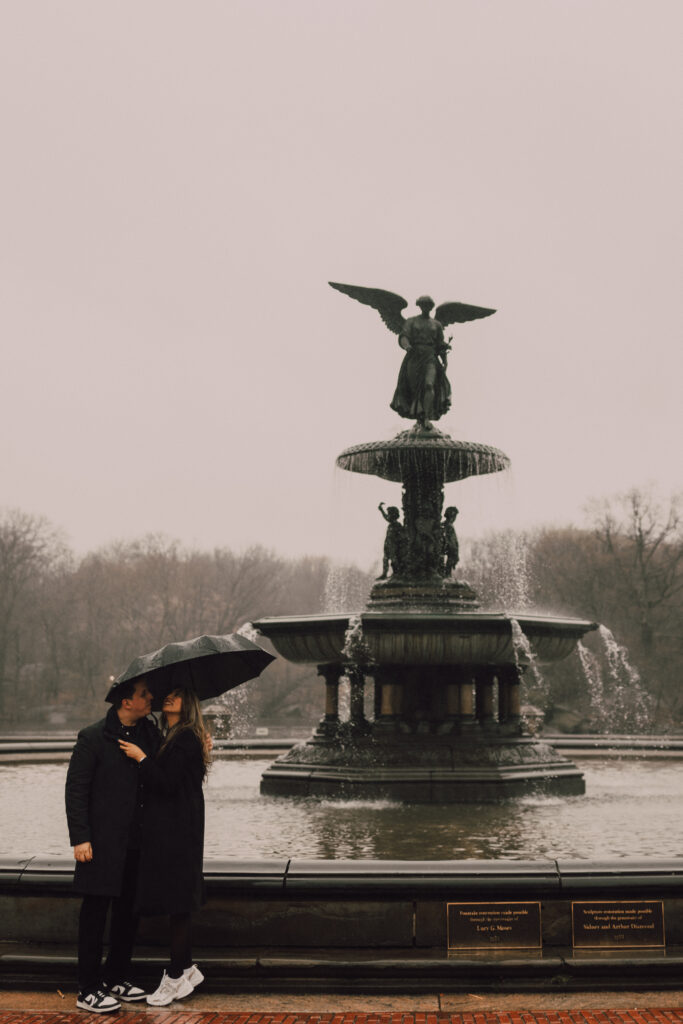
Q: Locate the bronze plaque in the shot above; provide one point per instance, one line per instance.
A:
(499, 925)
(628, 924)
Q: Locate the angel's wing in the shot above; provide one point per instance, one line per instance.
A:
(387, 304)
(459, 313)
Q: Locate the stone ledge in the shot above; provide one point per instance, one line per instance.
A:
(391, 971)
(380, 880)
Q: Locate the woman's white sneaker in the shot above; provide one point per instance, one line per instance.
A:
(193, 975)
(170, 989)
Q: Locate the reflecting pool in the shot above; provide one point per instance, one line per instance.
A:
(631, 808)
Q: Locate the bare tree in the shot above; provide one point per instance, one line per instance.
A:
(643, 537)
(29, 547)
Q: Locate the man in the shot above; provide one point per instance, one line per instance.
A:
(104, 813)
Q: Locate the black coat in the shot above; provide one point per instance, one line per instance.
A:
(101, 799)
(171, 861)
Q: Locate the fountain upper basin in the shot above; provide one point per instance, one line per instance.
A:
(423, 452)
(424, 638)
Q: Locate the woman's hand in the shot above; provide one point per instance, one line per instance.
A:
(131, 750)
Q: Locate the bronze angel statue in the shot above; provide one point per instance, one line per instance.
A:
(423, 392)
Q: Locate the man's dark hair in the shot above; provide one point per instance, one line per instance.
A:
(124, 691)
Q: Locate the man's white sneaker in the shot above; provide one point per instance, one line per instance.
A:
(126, 991)
(193, 975)
(170, 989)
(97, 1002)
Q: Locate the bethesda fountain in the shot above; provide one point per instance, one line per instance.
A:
(446, 724)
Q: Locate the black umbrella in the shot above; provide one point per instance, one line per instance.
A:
(210, 665)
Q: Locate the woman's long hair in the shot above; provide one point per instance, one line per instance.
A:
(190, 718)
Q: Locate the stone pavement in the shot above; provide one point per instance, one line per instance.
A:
(32, 1007)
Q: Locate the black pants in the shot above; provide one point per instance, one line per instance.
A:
(181, 943)
(123, 926)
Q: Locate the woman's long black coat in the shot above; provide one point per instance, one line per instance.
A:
(171, 862)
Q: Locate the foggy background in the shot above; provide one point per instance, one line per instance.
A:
(181, 180)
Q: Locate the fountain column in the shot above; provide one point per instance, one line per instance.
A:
(330, 721)
(388, 699)
(484, 699)
(377, 697)
(356, 678)
(502, 698)
(453, 701)
(422, 505)
(509, 688)
(465, 698)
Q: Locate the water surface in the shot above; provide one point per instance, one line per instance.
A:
(631, 808)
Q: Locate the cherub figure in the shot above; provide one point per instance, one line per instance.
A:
(423, 392)
(393, 541)
(449, 541)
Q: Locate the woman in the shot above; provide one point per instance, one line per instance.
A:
(170, 880)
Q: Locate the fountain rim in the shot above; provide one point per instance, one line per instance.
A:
(419, 619)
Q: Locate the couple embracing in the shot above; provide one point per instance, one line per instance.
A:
(135, 810)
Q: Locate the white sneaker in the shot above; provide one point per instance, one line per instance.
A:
(193, 975)
(170, 989)
(126, 991)
(97, 1002)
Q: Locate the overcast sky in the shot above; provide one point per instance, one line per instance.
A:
(181, 180)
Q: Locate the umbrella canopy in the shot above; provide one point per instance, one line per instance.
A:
(210, 665)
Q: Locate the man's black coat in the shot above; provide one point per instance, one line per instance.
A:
(101, 798)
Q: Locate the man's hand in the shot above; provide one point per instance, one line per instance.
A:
(83, 852)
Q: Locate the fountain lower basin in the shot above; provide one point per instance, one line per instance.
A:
(446, 724)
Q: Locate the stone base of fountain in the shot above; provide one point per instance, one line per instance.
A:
(422, 769)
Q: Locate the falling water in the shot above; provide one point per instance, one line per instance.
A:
(619, 703)
(235, 708)
(355, 649)
(355, 652)
(631, 706)
(502, 577)
(596, 688)
(345, 588)
(617, 657)
(513, 582)
(249, 632)
(334, 597)
(525, 657)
